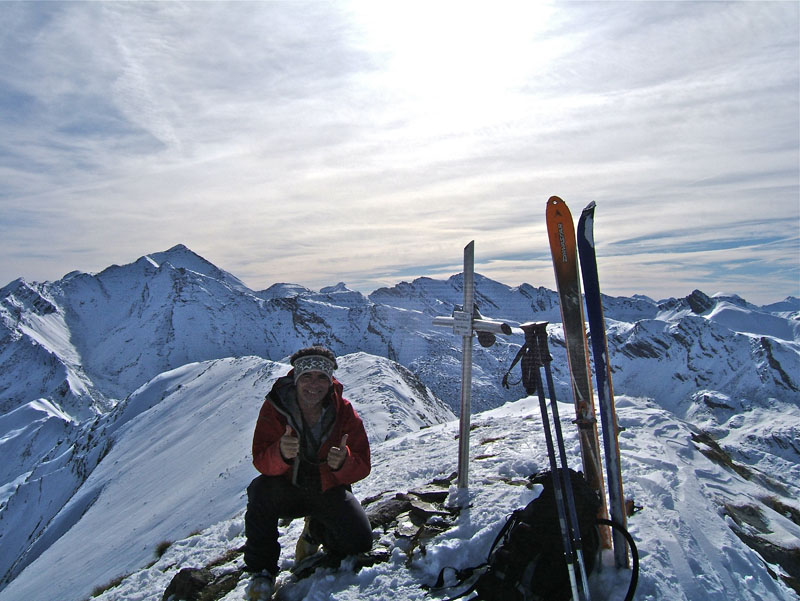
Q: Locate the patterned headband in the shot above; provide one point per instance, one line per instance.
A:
(313, 363)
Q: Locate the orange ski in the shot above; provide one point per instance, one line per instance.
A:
(561, 232)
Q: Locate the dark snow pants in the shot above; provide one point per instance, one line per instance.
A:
(338, 521)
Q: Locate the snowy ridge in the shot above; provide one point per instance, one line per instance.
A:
(87, 341)
(377, 385)
(685, 533)
(178, 454)
(136, 389)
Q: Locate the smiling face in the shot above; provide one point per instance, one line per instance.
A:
(312, 386)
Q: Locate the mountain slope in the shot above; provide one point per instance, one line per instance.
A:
(686, 533)
(180, 461)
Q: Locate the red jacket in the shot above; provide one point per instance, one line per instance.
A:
(280, 409)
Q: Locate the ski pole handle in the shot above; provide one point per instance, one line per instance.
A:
(536, 342)
(542, 347)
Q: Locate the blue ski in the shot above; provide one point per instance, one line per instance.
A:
(602, 368)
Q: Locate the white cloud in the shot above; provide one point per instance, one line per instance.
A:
(315, 142)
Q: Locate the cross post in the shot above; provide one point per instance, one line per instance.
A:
(465, 323)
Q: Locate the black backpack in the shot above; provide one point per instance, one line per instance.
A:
(526, 561)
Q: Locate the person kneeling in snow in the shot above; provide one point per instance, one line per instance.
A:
(310, 446)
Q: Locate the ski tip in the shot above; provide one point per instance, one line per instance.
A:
(590, 207)
(558, 211)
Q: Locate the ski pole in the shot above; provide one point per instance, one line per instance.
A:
(532, 380)
(543, 350)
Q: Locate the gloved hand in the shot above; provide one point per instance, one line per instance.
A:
(289, 444)
(337, 455)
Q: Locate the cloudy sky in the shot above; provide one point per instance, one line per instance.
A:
(369, 142)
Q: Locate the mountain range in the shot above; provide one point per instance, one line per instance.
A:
(95, 369)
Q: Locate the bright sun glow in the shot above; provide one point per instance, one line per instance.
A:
(458, 59)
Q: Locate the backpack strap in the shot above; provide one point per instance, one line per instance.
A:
(466, 574)
(462, 576)
(512, 521)
(520, 353)
(634, 555)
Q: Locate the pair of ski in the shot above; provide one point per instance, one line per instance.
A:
(565, 249)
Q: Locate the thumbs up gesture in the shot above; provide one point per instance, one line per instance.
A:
(337, 455)
(289, 444)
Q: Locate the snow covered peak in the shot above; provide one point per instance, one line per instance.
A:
(181, 257)
(20, 296)
(789, 308)
(283, 290)
(340, 287)
(390, 398)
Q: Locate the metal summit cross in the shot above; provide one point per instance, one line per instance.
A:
(465, 323)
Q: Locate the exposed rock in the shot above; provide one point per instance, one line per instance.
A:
(187, 584)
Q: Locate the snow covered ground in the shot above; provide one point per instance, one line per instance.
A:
(687, 547)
